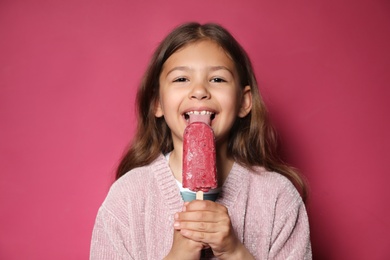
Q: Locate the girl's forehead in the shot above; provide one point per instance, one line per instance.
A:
(202, 51)
(203, 43)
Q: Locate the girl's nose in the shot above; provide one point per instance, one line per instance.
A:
(199, 92)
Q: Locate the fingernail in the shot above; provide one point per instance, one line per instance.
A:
(176, 224)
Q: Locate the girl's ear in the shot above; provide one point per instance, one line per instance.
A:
(158, 111)
(246, 102)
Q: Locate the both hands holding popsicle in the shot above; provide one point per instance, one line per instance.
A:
(204, 224)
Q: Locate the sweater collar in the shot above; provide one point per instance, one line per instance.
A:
(236, 181)
(167, 184)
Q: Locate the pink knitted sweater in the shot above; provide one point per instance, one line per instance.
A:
(136, 219)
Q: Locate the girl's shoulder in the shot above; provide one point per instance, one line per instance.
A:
(140, 176)
(275, 190)
(264, 182)
(260, 175)
(134, 181)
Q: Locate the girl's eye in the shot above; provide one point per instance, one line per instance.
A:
(217, 80)
(181, 79)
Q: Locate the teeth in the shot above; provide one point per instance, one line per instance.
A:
(204, 112)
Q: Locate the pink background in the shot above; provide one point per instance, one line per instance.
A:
(68, 76)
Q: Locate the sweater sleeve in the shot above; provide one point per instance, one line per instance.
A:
(109, 237)
(291, 235)
(111, 232)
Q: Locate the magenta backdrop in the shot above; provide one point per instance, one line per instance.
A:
(68, 76)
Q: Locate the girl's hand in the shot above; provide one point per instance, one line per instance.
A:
(184, 248)
(209, 223)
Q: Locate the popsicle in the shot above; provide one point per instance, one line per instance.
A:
(199, 158)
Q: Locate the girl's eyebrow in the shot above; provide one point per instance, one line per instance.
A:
(181, 68)
(215, 68)
(210, 68)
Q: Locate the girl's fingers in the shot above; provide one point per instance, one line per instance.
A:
(203, 221)
(203, 231)
(199, 226)
(201, 216)
(206, 211)
(208, 223)
(199, 236)
(204, 205)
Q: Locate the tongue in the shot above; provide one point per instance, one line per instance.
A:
(200, 118)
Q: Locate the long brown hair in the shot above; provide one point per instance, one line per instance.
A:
(252, 140)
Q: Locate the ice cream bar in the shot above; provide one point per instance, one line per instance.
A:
(199, 159)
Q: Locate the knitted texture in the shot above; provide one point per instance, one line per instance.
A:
(136, 219)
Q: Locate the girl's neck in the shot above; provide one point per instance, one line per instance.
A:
(224, 163)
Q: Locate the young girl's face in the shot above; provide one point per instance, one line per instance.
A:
(201, 77)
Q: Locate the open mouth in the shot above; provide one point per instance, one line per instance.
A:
(199, 116)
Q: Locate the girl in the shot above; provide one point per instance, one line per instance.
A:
(258, 213)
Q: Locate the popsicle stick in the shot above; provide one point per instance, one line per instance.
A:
(199, 195)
